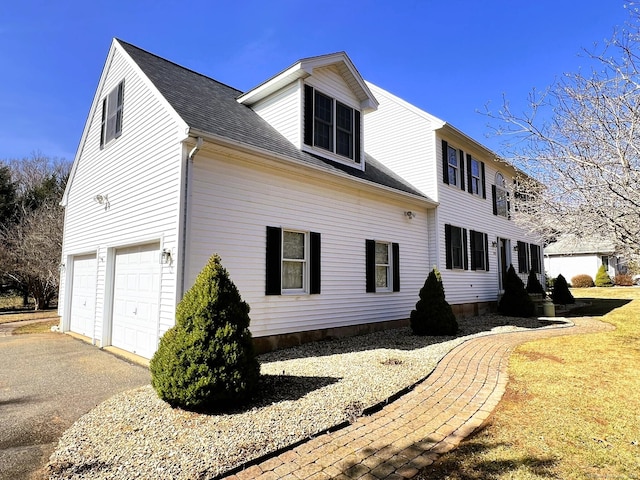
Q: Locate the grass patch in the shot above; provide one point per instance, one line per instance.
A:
(40, 327)
(571, 409)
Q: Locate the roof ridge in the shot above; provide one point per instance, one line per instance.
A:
(123, 42)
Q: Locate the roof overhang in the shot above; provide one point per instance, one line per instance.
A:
(304, 68)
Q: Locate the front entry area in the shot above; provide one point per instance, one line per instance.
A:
(136, 299)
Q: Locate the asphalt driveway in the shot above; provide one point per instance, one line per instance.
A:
(47, 381)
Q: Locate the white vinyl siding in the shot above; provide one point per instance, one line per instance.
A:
(283, 111)
(140, 175)
(401, 136)
(232, 205)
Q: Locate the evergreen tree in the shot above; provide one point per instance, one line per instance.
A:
(602, 277)
(533, 284)
(433, 315)
(561, 294)
(515, 301)
(206, 361)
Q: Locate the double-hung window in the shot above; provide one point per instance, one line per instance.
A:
(383, 266)
(452, 165)
(292, 262)
(331, 125)
(475, 174)
(500, 197)
(479, 251)
(456, 247)
(112, 115)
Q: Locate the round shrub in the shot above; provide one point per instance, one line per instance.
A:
(582, 281)
(561, 294)
(206, 361)
(602, 278)
(433, 315)
(623, 280)
(515, 301)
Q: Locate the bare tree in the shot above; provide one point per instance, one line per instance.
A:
(31, 242)
(580, 142)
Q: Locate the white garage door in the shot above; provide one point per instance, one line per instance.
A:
(83, 295)
(135, 299)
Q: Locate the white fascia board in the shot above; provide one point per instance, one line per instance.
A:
(274, 84)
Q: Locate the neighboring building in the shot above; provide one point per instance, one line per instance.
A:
(321, 237)
(571, 256)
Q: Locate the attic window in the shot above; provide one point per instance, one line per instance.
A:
(331, 125)
(112, 115)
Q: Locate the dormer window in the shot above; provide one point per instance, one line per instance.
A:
(331, 125)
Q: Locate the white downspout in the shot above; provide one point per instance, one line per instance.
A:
(185, 214)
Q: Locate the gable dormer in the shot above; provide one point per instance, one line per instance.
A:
(317, 104)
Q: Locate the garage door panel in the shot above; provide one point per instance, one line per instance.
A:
(83, 295)
(136, 297)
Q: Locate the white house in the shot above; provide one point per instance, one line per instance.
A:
(284, 182)
(473, 229)
(571, 256)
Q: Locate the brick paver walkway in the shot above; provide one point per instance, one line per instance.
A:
(447, 407)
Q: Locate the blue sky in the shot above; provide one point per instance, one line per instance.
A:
(449, 57)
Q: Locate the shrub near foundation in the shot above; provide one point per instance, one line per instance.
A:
(433, 314)
(516, 301)
(582, 281)
(206, 361)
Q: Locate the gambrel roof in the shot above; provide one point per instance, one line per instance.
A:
(210, 108)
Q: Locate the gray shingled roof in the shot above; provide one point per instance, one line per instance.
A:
(209, 106)
(574, 245)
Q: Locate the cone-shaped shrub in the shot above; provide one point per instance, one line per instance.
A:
(602, 278)
(561, 294)
(206, 361)
(533, 284)
(433, 315)
(515, 302)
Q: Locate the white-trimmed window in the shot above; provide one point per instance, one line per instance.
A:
(479, 251)
(383, 266)
(112, 115)
(452, 165)
(456, 244)
(500, 197)
(331, 125)
(292, 262)
(476, 183)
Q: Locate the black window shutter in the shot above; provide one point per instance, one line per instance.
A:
(447, 242)
(469, 174)
(274, 261)
(356, 138)
(484, 188)
(395, 251)
(314, 274)
(508, 205)
(119, 107)
(445, 162)
(522, 257)
(493, 198)
(104, 122)
(473, 235)
(535, 258)
(371, 265)
(486, 252)
(308, 115)
(461, 170)
(465, 246)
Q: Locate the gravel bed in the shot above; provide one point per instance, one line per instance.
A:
(304, 390)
